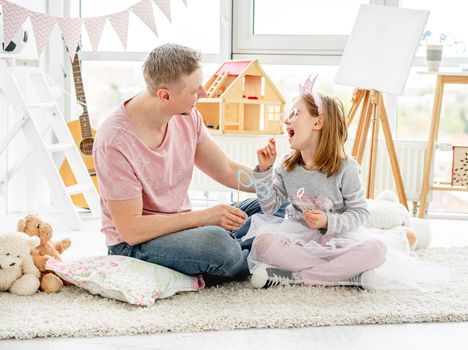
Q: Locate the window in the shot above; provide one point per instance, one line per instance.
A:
(311, 31)
(113, 74)
(273, 113)
(414, 119)
(304, 17)
(298, 33)
(292, 40)
(287, 78)
(447, 25)
(107, 84)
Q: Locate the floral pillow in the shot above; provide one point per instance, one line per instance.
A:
(124, 278)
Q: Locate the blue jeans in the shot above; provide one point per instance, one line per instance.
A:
(207, 250)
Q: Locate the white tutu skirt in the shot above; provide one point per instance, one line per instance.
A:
(399, 270)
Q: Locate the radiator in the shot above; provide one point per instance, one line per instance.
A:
(242, 148)
(410, 156)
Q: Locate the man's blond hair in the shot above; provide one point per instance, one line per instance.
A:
(167, 64)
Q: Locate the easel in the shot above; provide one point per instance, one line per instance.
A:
(373, 113)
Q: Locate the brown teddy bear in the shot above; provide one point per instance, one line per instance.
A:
(34, 226)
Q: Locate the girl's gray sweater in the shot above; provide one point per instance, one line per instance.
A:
(340, 196)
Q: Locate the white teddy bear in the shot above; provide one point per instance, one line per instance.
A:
(17, 271)
(387, 212)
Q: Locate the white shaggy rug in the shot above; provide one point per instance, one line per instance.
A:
(76, 313)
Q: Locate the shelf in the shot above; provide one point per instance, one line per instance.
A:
(457, 73)
(443, 78)
(446, 186)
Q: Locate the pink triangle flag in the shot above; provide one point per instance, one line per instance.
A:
(42, 26)
(13, 18)
(165, 6)
(71, 31)
(94, 26)
(119, 22)
(144, 11)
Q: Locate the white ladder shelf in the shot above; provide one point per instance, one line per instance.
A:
(15, 81)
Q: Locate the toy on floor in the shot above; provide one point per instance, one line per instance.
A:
(18, 274)
(34, 226)
(387, 212)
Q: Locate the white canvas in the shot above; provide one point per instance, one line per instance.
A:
(380, 50)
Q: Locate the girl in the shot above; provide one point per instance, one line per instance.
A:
(322, 240)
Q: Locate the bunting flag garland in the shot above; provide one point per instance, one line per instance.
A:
(165, 6)
(144, 11)
(94, 27)
(13, 18)
(71, 31)
(42, 24)
(119, 22)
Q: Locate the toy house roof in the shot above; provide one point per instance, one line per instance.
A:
(239, 69)
(233, 68)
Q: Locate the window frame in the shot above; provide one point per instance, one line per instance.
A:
(285, 49)
(289, 49)
(237, 41)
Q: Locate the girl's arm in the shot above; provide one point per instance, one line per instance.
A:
(356, 213)
(270, 189)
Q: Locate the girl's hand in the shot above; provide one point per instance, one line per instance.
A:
(267, 155)
(316, 219)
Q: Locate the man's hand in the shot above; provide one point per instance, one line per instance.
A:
(267, 155)
(316, 219)
(224, 215)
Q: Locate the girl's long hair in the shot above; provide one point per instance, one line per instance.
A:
(330, 153)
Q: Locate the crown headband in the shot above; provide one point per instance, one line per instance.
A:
(307, 89)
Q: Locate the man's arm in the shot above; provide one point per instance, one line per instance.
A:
(136, 228)
(211, 159)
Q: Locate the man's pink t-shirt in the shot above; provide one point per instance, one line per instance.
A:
(128, 169)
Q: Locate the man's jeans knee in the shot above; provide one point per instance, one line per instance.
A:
(203, 250)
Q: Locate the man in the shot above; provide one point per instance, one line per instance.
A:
(144, 155)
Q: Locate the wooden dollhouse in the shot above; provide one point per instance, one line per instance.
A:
(241, 98)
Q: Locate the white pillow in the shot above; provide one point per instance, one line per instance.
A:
(124, 278)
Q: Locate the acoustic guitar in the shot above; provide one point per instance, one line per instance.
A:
(83, 135)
